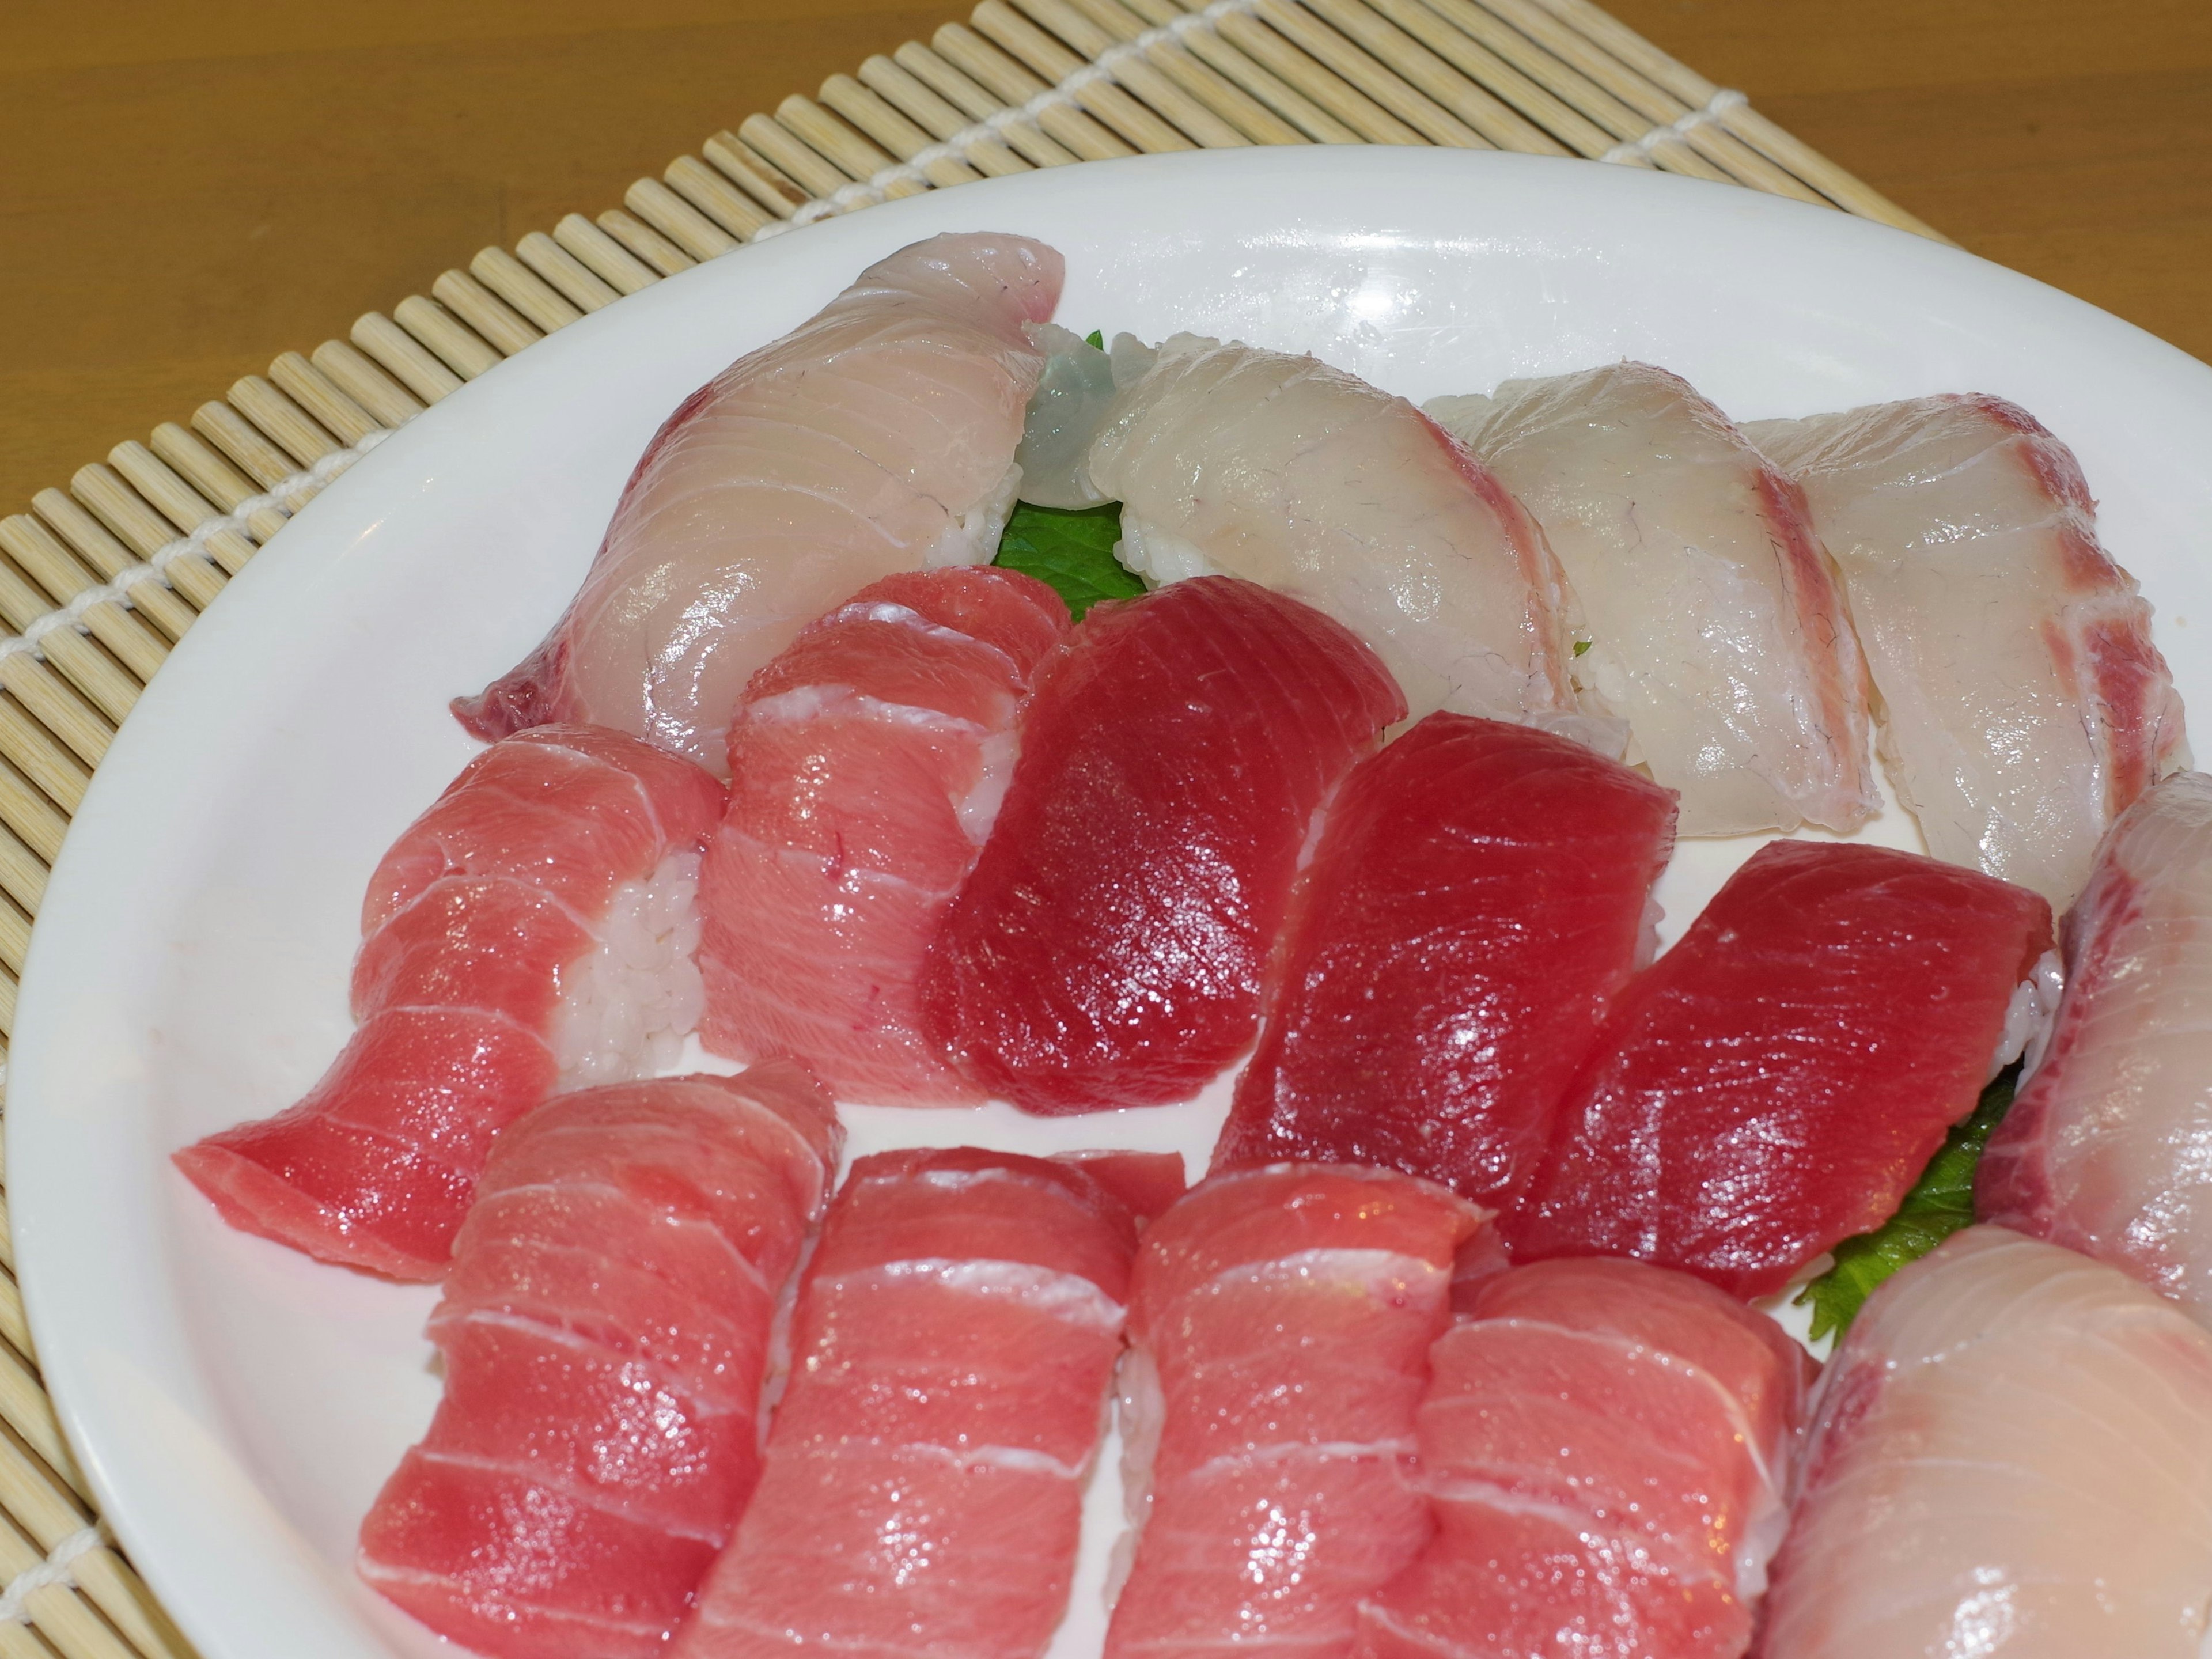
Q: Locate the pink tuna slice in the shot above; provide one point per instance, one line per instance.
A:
(468, 925)
(954, 1341)
(1280, 1323)
(876, 438)
(1776, 1081)
(1606, 1446)
(605, 1329)
(1109, 947)
(867, 763)
(1481, 894)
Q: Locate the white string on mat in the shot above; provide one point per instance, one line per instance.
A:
(1719, 104)
(55, 1569)
(283, 494)
(914, 170)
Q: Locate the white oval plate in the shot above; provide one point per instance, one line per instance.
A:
(236, 1406)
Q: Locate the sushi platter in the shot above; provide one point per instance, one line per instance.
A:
(1411, 630)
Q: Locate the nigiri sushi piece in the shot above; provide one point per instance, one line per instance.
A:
(867, 763)
(605, 1330)
(1287, 472)
(2010, 1456)
(532, 930)
(1109, 948)
(1716, 626)
(1480, 893)
(2023, 704)
(1280, 1320)
(953, 1353)
(876, 437)
(2103, 1149)
(1606, 1446)
(1776, 1082)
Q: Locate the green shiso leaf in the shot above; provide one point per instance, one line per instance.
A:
(1070, 549)
(1582, 646)
(1095, 339)
(1939, 1203)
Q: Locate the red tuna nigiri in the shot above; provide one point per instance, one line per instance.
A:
(876, 437)
(1281, 1321)
(478, 990)
(1481, 894)
(952, 1349)
(866, 764)
(1109, 948)
(1606, 1447)
(605, 1329)
(1775, 1083)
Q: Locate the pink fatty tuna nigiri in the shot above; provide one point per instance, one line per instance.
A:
(605, 1329)
(867, 765)
(532, 930)
(878, 437)
(1716, 626)
(1776, 1082)
(1285, 470)
(2024, 706)
(953, 1350)
(2010, 1458)
(1606, 1446)
(1480, 893)
(1109, 948)
(1281, 1320)
(2103, 1149)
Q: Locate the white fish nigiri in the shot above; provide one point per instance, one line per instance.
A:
(2108, 1149)
(2023, 704)
(876, 437)
(1288, 472)
(2010, 1458)
(1716, 627)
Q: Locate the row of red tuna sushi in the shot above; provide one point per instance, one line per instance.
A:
(1349, 1430)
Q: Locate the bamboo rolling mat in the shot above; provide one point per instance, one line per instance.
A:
(99, 580)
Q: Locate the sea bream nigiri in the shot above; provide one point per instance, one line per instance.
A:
(1281, 469)
(1775, 1083)
(532, 930)
(2010, 1458)
(1606, 1447)
(1110, 946)
(2024, 705)
(953, 1350)
(604, 1331)
(1479, 894)
(2105, 1148)
(878, 437)
(1280, 1320)
(1716, 626)
(867, 763)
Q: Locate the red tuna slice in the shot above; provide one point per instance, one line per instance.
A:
(580, 1475)
(953, 1343)
(1281, 1320)
(1479, 894)
(474, 919)
(573, 810)
(1109, 948)
(1775, 1083)
(867, 763)
(1606, 1447)
(1148, 1183)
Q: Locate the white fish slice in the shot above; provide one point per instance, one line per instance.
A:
(2011, 1458)
(1716, 627)
(2023, 704)
(876, 437)
(1286, 472)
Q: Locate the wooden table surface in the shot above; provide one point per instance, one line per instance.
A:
(186, 191)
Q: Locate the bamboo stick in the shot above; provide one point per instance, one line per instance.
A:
(607, 259)
(675, 219)
(530, 296)
(1479, 63)
(295, 430)
(254, 455)
(1191, 120)
(1405, 56)
(754, 173)
(128, 630)
(34, 750)
(25, 809)
(715, 195)
(13, 1326)
(120, 507)
(935, 70)
(475, 304)
(1344, 101)
(557, 265)
(646, 244)
(882, 121)
(1137, 125)
(813, 174)
(185, 507)
(322, 397)
(452, 342)
(849, 151)
(398, 351)
(361, 380)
